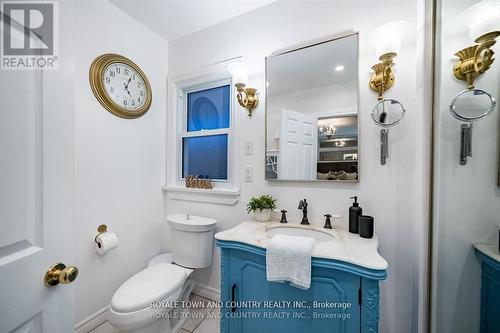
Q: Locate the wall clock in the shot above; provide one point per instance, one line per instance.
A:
(120, 86)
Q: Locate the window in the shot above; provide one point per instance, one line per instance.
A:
(203, 119)
(204, 133)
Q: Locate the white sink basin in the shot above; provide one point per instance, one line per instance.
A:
(317, 235)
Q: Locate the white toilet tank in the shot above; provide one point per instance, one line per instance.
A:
(192, 239)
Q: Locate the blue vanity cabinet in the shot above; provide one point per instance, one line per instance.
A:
(343, 298)
(490, 294)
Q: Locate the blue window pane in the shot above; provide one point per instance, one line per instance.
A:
(208, 109)
(205, 156)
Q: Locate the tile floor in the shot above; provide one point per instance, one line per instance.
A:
(202, 320)
(205, 321)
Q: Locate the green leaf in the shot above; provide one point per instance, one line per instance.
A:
(260, 203)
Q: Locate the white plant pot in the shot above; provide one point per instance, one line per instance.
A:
(262, 216)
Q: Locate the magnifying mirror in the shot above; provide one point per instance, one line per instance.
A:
(468, 106)
(387, 113)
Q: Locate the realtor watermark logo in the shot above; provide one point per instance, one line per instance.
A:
(30, 35)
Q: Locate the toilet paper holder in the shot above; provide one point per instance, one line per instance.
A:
(100, 229)
(105, 240)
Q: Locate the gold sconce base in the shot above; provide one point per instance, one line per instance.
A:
(383, 76)
(247, 97)
(475, 60)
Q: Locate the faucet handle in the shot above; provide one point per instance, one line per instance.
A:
(283, 216)
(328, 222)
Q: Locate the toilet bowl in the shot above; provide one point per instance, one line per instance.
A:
(151, 300)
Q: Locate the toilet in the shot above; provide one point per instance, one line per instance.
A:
(145, 303)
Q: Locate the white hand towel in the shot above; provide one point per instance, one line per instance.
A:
(288, 258)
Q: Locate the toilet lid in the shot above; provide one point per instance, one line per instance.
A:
(155, 283)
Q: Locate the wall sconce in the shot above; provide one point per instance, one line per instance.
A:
(387, 40)
(483, 22)
(470, 105)
(247, 97)
(387, 112)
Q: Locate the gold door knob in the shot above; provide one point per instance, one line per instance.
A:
(59, 273)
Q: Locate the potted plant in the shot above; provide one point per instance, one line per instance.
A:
(261, 207)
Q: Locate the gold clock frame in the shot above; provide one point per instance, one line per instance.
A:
(96, 83)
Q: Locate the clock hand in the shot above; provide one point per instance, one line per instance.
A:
(126, 89)
(126, 86)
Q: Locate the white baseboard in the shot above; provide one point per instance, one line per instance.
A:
(92, 321)
(207, 292)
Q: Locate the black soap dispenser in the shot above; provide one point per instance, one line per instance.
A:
(354, 213)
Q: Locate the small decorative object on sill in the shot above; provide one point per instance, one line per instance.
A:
(261, 207)
(198, 182)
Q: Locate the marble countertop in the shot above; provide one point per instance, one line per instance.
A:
(344, 246)
(490, 250)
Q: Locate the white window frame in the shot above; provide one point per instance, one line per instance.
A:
(224, 191)
(182, 131)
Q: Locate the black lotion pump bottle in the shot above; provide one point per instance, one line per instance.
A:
(354, 213)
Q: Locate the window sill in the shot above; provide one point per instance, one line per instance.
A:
(216, 196)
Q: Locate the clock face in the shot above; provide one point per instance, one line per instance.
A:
(124, 86)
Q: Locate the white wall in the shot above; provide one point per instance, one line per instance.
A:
(119, 163)
(395, 194)
(466, 197)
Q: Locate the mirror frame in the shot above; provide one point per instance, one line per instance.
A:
(457, 116)
(298, 47)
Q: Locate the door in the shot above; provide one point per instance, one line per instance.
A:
(36, 206)
(248, 280)
(298, 146)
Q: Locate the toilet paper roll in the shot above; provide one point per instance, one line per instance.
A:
(105, 242)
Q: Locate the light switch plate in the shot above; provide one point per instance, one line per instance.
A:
(248, 147)
(248, 174)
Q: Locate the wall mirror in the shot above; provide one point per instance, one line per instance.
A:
(312, 124)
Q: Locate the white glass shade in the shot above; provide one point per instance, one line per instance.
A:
(239, 71)
(481, 18)
(388, 37)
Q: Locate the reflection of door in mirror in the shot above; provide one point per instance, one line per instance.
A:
(298, 145)
(312, 112)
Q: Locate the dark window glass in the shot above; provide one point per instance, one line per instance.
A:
(205, 156)
(208, 109)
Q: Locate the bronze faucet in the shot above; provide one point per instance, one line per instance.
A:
(303, 206)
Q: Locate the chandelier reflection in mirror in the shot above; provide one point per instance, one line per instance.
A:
(328, 130)
(470, 105)
(387, 112)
